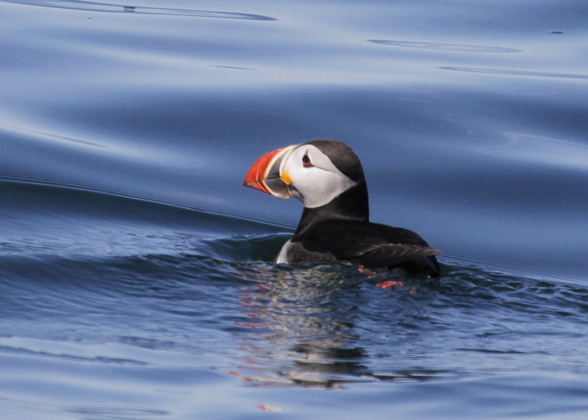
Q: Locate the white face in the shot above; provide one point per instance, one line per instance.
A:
(315, 180)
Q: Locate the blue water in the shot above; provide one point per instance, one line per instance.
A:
(136, 275)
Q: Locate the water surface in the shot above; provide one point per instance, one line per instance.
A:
(136, 271)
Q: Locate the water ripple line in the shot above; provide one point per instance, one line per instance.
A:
(509, 72)
(445, 46)
(121, 8)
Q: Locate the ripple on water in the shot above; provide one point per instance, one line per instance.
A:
(122, 8)
(445, 46)
(511, 72)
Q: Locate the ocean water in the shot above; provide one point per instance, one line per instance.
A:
(136, 274)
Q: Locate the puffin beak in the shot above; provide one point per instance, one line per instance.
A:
(267, 173)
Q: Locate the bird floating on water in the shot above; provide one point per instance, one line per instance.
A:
(327, 176)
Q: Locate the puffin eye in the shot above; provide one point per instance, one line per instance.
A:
(306, 161)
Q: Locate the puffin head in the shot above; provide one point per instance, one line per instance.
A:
(315, 172)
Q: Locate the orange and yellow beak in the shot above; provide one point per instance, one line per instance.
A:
(268, 175)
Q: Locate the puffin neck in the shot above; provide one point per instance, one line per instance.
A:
(352, 204)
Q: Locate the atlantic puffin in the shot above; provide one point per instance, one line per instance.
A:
(327, 176)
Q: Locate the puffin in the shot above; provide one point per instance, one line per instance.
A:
(327, 176)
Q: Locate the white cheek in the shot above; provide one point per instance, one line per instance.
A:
(316, 186)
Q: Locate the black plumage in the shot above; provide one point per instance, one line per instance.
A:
(341, 231)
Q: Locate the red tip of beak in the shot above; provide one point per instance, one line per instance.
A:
(258, 172)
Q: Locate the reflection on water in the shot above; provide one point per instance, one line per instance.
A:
(330, 325)
(303, 326)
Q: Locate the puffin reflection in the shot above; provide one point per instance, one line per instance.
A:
(303, 326)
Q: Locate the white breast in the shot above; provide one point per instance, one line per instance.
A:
(281, 258)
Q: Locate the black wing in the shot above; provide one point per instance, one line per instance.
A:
(371, 245)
